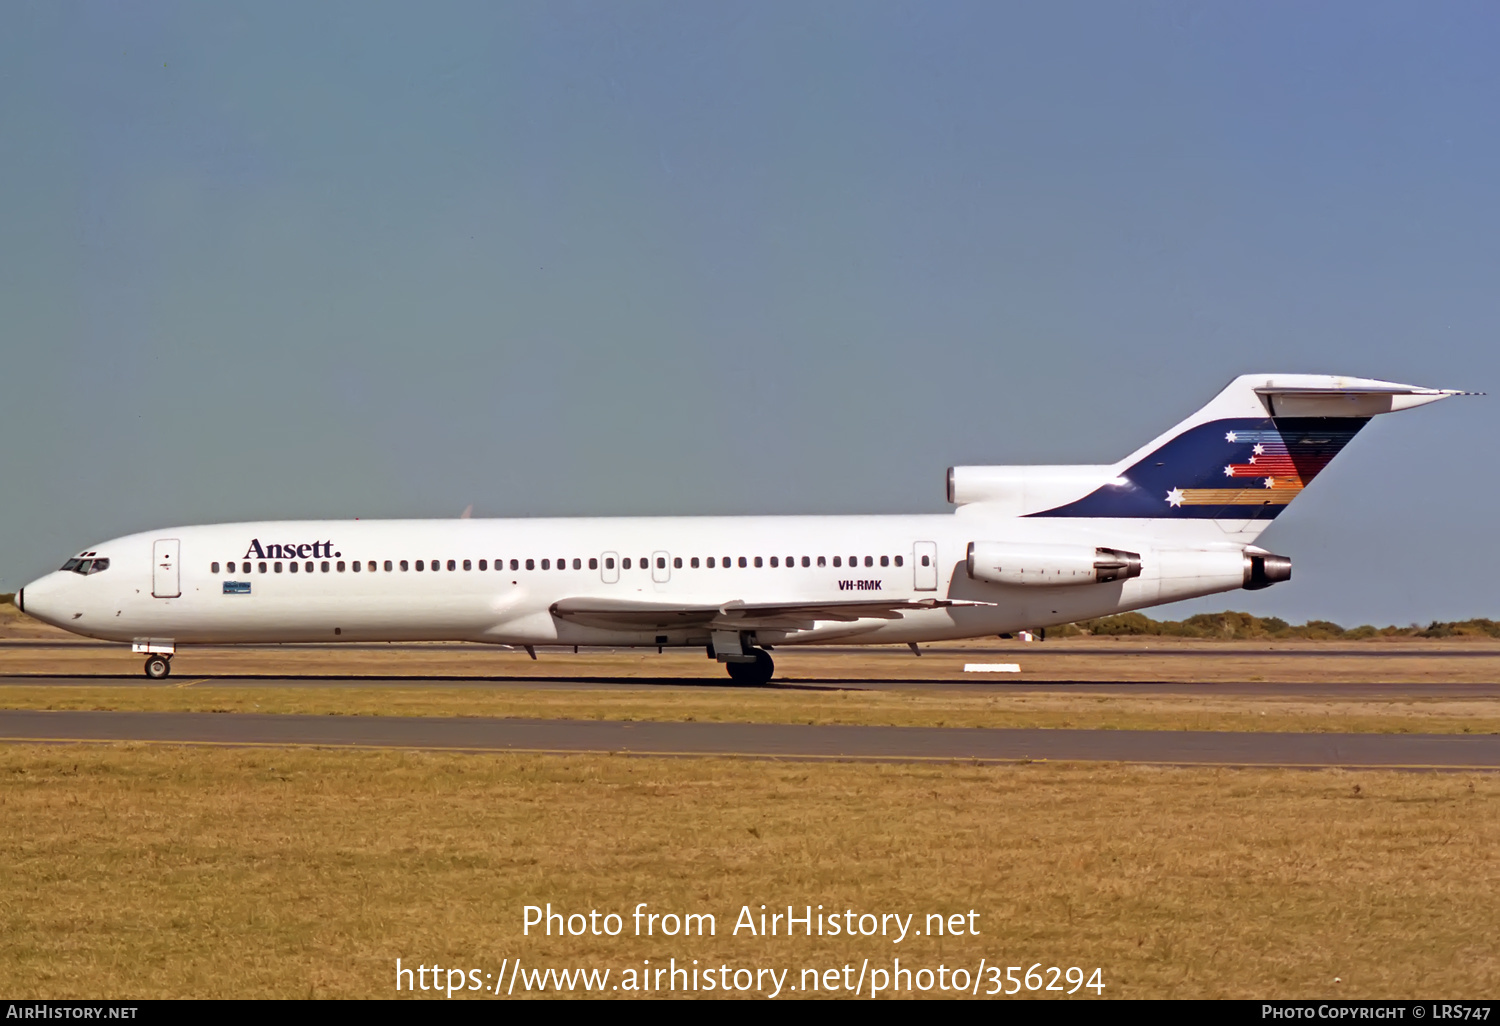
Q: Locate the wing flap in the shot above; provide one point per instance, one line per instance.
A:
(626, 614)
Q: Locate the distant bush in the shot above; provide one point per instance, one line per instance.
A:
(7, 598)
(1232, 625)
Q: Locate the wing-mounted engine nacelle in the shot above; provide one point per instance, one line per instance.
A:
(1050, 565)
(1264, 570)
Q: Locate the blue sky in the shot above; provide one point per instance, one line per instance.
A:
(292, 260)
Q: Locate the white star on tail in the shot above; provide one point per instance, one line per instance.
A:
(1259, 450)
(1229, 437)
(1270, 482)
(1228, 471)
(1174, 497)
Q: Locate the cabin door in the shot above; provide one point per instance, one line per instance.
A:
(924, 565)
(164, 573)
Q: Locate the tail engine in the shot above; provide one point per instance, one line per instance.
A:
(1050, 565)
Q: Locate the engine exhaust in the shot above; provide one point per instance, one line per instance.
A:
(1264, 571)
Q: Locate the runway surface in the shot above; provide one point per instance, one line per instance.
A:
(1213, 649)
(989, 684)
(762, 740)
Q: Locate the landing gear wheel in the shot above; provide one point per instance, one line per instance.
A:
(157, 667)
(753, 675)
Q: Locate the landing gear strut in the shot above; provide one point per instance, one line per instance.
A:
(158, 666)
(754, 675)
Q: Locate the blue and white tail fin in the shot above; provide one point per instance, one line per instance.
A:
(1239, 461)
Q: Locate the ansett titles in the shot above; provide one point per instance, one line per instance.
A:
(302, 550)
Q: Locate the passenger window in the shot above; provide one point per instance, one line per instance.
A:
(625, 563)
(213, 568)
(854, 561)
(593, 562)
(371, 566)
(837, 561)
(531, 564)
(757, 561)
(693, 562)
(340, 566)
(661, 562)
(677, 562)
(420, 565)
(578, 564)
(293, 567)
(726, 562)
(452, 565)
(898, 560)
(885, 560)
(468, 565)
(710, 562)
(791, 561)
(483, 565)
(308, 566)
(869, 561)
(924, 561)
(405, 565)
(609, 562)
(263, 567)
(806, 561)
(774, 563)
(356, 567)
(388, 567)
(546, 564)
(324, 567)
(645, 562)
(742, 562)
(822, 560)
(515, 564)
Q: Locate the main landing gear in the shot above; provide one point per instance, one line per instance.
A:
(158, 666)
(752, 674)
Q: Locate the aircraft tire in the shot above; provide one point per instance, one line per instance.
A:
(753, 675)
(157, 667)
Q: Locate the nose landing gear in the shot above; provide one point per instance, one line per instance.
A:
(754, 675)
(158, 666)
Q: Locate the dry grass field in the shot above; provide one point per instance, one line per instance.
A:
(156, 872)
(818, 686)
(732, 705)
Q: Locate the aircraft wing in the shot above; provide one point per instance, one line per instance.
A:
(627, 614)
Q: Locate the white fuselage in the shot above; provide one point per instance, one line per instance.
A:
(1027, 547)
(349, 583)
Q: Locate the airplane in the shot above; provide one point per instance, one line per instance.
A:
(1027, 547)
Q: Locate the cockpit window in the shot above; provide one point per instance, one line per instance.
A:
(71, 564)
(100, 565)
(86, 566)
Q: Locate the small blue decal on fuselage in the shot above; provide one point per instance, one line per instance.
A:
(236, 587)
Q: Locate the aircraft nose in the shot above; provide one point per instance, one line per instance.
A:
(40, 598)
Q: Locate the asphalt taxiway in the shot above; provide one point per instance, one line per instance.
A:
(760, 740)
(988, 684)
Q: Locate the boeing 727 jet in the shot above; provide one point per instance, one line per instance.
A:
(1027, 547)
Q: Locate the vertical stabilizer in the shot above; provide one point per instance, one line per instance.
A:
(1245, 456)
